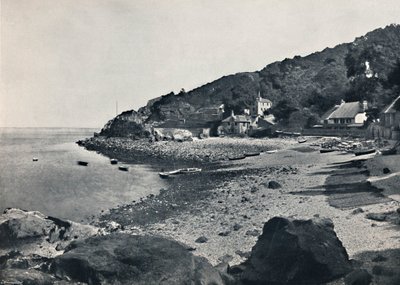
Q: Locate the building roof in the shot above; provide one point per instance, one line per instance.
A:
(326, 115)
(347, 110)
(390, 108)
(238, 119)
(264, 100)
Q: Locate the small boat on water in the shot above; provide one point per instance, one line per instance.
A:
(123, 168)
(358, 152)
(35, 159)
(237, 157)
(113, 161)
(82, 163)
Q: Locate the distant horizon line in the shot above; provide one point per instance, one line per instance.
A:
(50, 127)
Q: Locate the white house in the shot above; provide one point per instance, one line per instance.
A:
(260, 106)
(346, 115)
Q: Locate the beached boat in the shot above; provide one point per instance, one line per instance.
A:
(83, 163)
(237, 157)
(388, 151)
(326, 150)
(35, 159)
(113, 161)
(189, 170)
(358, 152)
(301, 140)
(251, 154)
(271, 151)
(166, 174)
(123, 168)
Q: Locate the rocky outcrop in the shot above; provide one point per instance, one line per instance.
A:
(127, 124)
(35, 249)
(127, 259)
(295, 252)
(35, 233)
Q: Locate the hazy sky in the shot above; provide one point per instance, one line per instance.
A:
(66, 62)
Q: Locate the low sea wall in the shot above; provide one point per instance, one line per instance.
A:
(357, 133)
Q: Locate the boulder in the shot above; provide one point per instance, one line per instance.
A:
(274, 185)
(26, 277)
(201, 239)
(358, 277)
(125, 259)
(33, 232)
(296, 252)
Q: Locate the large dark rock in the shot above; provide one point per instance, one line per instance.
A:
(127, 259)
(358, 277)
(33, 232)
(26, 277)
(127, 124)
(296, 252)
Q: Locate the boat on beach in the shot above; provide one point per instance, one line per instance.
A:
(301, 140)
(326, 150)
(123, 168)
(271, 151)
(82, 163)
(189, 170)
(35, 159)
(166, 174)
(251, 154)
(113, 161)
(237, 157)
(388, 151)
(358, 152)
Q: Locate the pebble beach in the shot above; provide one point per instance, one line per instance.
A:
(219, 212)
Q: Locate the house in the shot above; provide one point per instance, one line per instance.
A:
(346, 115)
(390, 120)
(260, 106)
(235, 124)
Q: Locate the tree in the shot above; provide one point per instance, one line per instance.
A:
(282, 110)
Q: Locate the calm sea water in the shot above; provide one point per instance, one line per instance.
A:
(55, 185)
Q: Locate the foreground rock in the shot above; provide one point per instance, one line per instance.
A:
(295, 252)
(127, 259)
(35, 233)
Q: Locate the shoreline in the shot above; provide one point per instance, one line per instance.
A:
(219, 213)
(230, 201)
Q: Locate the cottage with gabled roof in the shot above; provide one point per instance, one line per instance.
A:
(390, 120)
(346, 115)
(236, 124)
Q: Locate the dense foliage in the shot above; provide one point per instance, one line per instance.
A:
(301, 88)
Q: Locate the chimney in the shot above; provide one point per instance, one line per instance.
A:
(232, 114)
(365, 105)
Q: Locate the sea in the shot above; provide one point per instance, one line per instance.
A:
(56, 185)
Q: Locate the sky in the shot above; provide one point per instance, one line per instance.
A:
(66, 63)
